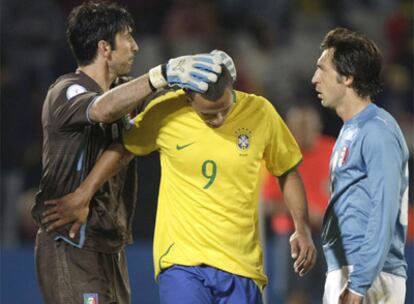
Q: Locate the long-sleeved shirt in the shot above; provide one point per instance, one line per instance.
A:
(365, 223)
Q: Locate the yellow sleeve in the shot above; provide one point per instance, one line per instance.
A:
(141, 138)
(282, 152)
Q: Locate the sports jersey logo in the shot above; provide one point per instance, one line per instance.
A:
(180, 147)
(74, 90)
(340, 157)
(243, 137)
(90, 298)
(179, 67)
(344, 142)
(343, 155)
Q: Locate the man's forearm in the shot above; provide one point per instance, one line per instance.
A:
(74, 207)
(121, 100)
(111, 161)
(295, 198)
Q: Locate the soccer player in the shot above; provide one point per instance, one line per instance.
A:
(76, 113)
(365, 223)
(211, 145)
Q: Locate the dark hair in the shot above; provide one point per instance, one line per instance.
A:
(356, 55)
(216, 90)
(91, 22)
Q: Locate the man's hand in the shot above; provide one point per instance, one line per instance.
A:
(348, 297)
(71, 208)
(188, 72)
(303, 251)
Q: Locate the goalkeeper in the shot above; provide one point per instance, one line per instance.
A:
(77, 115)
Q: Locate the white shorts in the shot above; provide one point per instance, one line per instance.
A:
(386, 289)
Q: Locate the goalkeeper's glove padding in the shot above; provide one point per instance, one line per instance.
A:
(187, 72)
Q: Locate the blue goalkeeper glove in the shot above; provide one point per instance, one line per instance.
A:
(225, 59)
(187, 72)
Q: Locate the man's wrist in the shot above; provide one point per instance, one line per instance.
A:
(157, 77)
(302, 228)
(153, 89)
(87, 192)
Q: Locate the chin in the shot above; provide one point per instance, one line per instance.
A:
(125, 71)
(324, 103)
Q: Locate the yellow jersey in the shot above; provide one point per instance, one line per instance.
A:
(208, 197)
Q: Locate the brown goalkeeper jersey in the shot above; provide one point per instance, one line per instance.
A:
(71, 145)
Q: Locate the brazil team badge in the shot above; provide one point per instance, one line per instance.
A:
(243, 139)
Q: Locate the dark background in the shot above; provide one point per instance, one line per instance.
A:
(275, 45)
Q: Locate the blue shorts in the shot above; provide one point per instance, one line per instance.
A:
(206, 285)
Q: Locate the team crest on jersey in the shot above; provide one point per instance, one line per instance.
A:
(341, 155)
(90, 298)
(243, 139)
(74, 90)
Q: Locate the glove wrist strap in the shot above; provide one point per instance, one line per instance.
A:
(156, 77)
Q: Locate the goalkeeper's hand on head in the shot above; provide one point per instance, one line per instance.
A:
(187, 72)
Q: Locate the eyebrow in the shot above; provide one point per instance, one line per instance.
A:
(127, 30)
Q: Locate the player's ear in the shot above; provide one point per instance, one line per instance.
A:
(104, 48)
(348, 80)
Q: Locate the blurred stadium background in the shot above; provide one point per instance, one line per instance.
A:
(275, 44)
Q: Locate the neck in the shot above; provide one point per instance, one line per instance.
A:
(352, 106)
(100, 73)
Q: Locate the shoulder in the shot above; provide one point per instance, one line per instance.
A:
(380, 124)
(162, 105)
(248, 97)
(380, 132)
(255, 103)
(383, 131)
(166, 99)
(69, 86)
(67, 80)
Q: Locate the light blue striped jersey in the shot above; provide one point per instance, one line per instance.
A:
(365, 223)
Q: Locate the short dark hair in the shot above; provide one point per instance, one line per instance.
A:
(356, 55)
(91, 22)
(216, 90)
